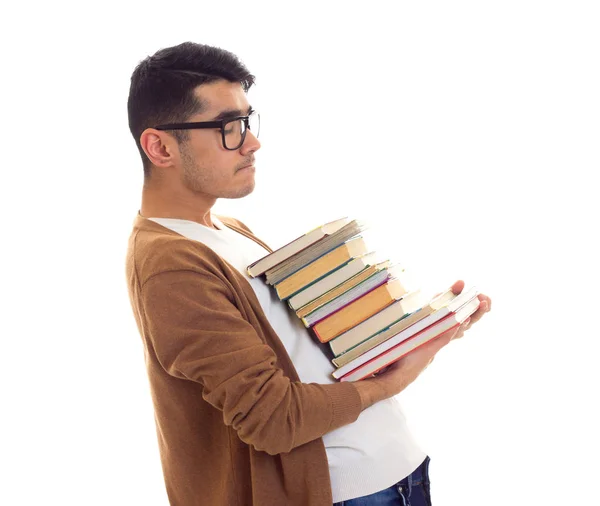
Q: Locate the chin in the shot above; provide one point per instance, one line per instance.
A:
(240, 192)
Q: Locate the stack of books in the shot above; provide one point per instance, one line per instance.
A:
(361, 309)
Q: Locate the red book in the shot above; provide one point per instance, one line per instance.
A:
(398, 351)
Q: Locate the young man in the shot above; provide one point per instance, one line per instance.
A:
(245, 408)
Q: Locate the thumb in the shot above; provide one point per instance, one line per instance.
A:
(458, 286)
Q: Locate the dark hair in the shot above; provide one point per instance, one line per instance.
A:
(162, 86)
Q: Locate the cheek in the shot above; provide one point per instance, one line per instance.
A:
(205, 149)
(224, 164)
(202, 154)
(215, 162)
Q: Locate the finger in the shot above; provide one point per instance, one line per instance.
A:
(429, 363)
(458, 286)
(477, 315)
(460, 331)
(484, 298)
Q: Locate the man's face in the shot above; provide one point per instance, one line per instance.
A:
(207, 167)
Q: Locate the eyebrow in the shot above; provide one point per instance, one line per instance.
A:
(232, 113)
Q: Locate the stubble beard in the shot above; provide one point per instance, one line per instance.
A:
(198, 180)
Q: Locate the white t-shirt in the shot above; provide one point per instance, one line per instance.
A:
(367, 456)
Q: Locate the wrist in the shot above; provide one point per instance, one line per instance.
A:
(371, 390)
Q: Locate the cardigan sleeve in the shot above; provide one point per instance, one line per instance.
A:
(199, 334)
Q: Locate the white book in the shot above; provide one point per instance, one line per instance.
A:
(455, 304)
(369, 327)
(392, 355)
(331, 281)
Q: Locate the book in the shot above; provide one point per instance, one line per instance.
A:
(451, 307)
(344, 288)
(381, 336)
(405, 322)
(330, 281)
(320, 267)
(360, 309)
(369, 327)
(316, 250)
(450, 322)
(372, 282)
(279, 255)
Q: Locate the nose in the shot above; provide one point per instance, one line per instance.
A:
(251, 143)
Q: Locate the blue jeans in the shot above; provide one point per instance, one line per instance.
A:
(411, 491)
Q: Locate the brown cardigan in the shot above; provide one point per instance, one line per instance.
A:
(235, 425)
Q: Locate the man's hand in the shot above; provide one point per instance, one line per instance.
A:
(484, 306)
(403, 372)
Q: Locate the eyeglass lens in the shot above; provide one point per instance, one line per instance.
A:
(234, 132)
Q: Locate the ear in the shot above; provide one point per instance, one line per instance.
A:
(160, 147)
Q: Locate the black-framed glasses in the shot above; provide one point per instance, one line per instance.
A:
(233, 130)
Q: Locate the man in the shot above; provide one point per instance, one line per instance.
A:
(245, 408)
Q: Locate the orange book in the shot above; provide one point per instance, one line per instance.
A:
(320, 267)
(359, 310)
(342, 288)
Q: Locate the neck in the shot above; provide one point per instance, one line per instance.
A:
(176, 203)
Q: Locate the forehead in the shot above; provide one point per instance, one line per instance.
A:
(220, 96)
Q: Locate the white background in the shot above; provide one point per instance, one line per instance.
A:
(465, 132)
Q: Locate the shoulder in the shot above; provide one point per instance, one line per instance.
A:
(154, 251)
